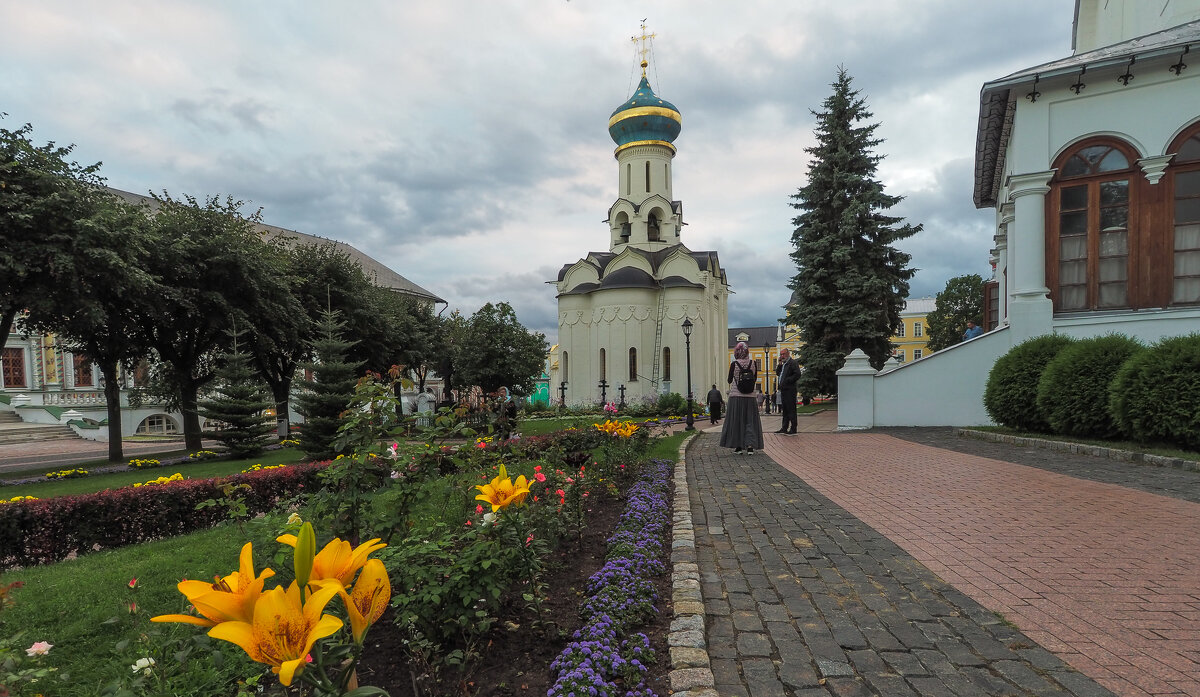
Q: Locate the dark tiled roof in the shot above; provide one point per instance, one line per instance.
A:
(759, 336)
(379, 274)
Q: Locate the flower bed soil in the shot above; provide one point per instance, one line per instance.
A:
(516, 663)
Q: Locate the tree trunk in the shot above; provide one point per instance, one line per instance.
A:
(281, 391)
(112, 397)
(6, 322)
(188, 405)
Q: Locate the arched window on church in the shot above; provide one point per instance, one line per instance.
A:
(566, 373)
(652, 228)
(647, 176)
(666, 363)
(1185, 217)
(1093, 221)
(633, 373)
(628, 179)
(603, 372)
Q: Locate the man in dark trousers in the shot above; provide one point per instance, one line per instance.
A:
(789, 373)
(715, 400)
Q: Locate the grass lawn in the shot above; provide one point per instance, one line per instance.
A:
(116, 480)
(70, 604)
(1132, 446)
(541, 427)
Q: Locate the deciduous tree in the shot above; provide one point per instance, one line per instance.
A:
(961, 300)
(500, 352)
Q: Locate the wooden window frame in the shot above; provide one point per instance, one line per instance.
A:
(1137, 294)
(1173, 171)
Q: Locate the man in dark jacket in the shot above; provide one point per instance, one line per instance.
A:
(715, 400)
(789, 373)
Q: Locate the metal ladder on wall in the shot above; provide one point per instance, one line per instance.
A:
(662, 308)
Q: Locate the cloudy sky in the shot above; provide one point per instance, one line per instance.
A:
(464, 144)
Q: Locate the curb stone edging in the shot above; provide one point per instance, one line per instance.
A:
(691, 669)
(1082, 449)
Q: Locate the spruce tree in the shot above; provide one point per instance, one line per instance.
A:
(323, 399)
(851, 281)
(237, 410)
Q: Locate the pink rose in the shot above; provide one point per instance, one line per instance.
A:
(39, 648)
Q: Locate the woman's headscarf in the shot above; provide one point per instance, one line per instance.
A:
(741, 351)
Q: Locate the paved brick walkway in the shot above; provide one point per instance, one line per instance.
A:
(877, 564)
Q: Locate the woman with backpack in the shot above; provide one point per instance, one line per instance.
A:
(742, 430)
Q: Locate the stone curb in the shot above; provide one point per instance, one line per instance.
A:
(1082, 449)
(691, 669)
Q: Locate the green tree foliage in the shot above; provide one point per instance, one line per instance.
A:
(1011, 393)
(212, 268)
(43, 198)
(1073, 390)
(851, 281)
(1155, 396)
(497, 350)
(238, 406)
(324, 398)
(97, 313)
(961, 300)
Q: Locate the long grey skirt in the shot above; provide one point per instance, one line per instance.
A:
(743, 427)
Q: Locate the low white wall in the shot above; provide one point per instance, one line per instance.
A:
(1146, 325)
(942, 389)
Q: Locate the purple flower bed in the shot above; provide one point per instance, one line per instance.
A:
(621, 598)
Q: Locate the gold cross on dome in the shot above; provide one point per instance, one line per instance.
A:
(644, 47)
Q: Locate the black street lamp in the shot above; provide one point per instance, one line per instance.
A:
(562, 393)
(766, 373)
(687, 336)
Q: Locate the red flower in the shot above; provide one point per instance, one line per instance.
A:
(133, 582)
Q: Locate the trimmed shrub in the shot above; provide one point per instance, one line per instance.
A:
(1155, 396)
(1011, 394)
(1073, 391)
(49, 530)
(671, 404)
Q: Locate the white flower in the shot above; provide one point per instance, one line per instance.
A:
(143, 666)
(488, 518)
(295, 519)
(39, 648)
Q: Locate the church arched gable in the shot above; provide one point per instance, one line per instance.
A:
(679, 263)
(581, 272)
(626, 259)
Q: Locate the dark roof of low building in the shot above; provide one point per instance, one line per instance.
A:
(376, 271)
(759, 336)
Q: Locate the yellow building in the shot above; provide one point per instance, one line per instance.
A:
(912, 338)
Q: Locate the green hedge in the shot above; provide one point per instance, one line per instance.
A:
(49, 530)
(1073, 391)
(1155, 396)
(1012, 386)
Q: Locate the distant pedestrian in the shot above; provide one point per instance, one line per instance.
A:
(759, 398)
(789, 373)
(715, 400)
(973, 330)
(742, 429)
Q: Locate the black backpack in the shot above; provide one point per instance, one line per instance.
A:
(745, 380)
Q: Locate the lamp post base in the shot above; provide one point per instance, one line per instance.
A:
(690, 420)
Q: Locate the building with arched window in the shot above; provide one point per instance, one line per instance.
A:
(1092, 166)
(629, 303)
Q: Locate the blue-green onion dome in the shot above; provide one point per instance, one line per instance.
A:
(644, 119)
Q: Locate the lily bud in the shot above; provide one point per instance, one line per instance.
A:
(306, 549)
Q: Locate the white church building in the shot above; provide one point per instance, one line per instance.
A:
(1092, 165)
(622, 312)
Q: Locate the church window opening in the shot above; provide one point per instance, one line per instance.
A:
(633, 372)
(1185, 214)
(666, 363)
(83, 372)
(1089, 256)
(603, 372)
(652, 228)
(647, 176)
(157, 424)
(14, 368)
(628, 179)
(566, 373)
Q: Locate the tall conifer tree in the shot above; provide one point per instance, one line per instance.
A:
(324, 398)
(851, 281)
(238, 406)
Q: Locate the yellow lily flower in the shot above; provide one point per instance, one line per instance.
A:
(227, 599)
(284, 629)
(368, 599)
(337, 560)
(502, 491)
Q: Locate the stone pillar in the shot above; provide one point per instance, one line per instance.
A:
(1007, 215)
(856, 392)
(1030, 310)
